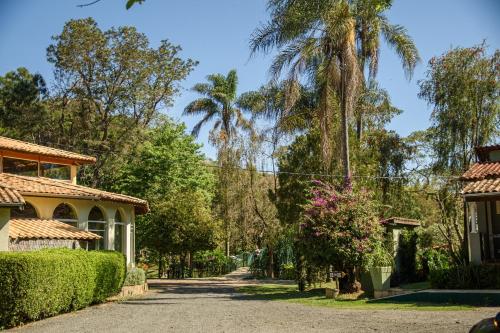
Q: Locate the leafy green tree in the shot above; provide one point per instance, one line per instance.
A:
(23, 111)
(169, 170)
(112, 85)
(462, 86)
(181, 224)
(168, 161)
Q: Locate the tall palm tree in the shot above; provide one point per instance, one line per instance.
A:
(320, 39)
(219, 104)
(371, 25)
(316, 39)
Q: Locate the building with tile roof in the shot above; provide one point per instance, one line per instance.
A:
(41, 204)
(481, 192)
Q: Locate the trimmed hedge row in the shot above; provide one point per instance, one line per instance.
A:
(39, 284)
(485, 276)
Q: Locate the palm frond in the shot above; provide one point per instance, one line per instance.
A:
(201, 106)
(196, 129)
(398, 38)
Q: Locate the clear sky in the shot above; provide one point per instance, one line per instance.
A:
(216, 33)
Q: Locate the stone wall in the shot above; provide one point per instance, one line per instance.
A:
(37, 244)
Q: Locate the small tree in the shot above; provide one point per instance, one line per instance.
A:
(339, 228)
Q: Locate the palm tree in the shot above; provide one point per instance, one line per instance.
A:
(320, 39)
(316, 38)
(220, 104)
(371, 25)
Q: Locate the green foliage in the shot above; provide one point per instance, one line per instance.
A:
(167, 161)
(379, 257)
(213, 263)
(181, 224)
(485, 276)
(170, 172)
(287, 272)
(135, 277)
(44, 283)
(462, 87)
(339, 228)
(22, 110)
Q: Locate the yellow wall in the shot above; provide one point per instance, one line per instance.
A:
(45, 208)
(4, 228)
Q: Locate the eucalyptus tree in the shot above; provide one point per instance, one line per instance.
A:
(371, 25)
(219, 103)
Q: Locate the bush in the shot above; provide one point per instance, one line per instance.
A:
(485, 276)
(379, 257)
(135, 277)
(39, 284)
(287, 272)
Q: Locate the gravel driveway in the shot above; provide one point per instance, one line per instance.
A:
(213, 306)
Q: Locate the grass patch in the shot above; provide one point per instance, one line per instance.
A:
(315, 297)
(416, 285)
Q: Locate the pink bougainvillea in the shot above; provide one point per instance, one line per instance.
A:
(339, 226)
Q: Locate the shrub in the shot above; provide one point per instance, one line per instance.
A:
(485, 276)
(135, 277)
(379, 257)
(39, 284)
(287, 272)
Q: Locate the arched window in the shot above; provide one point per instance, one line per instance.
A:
(97, 225)
(26, 212)
(65, 213)
(119, 231)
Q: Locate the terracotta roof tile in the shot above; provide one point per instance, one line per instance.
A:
(480, 171)
(31, 148)
(491, 185)
(41, 185)
(400, 221)
(10, 196)
(47, 229)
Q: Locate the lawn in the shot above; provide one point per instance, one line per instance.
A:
(315, 297)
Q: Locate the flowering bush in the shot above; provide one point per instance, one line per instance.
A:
(339, 228)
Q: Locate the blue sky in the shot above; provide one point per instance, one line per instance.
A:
(216, 33)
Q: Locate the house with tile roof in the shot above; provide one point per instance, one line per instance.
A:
(41, 204)
(481, 193)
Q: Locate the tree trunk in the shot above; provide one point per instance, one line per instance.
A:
(301, 276)
(270, 267)
(359, 126)
(160, 266)
(345, 126)
(190, 264)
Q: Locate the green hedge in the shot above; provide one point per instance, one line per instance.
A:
(135, 277)
(486, 276)
(39, 284)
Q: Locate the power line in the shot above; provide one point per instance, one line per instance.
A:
(327, 175)
(339, 176)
